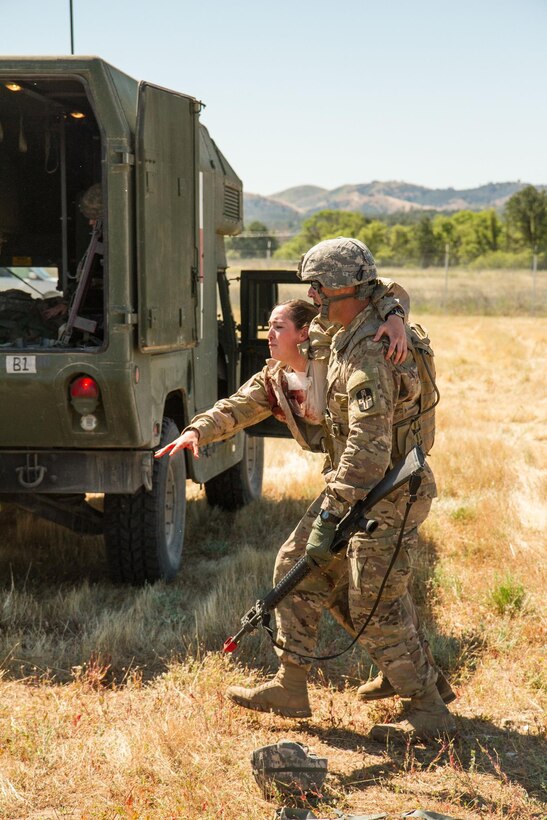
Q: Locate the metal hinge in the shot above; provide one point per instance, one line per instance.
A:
(124, 158)
(127, 314)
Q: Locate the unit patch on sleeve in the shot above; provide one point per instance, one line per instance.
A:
(365, 399)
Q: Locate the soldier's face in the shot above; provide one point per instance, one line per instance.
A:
(283, 335)
(337, 308)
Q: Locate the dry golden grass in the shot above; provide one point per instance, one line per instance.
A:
(112, 701)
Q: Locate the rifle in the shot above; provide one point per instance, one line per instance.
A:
(74, 321)
(353, 521)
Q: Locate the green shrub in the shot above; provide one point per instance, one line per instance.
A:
(507, 596)
(463, 514)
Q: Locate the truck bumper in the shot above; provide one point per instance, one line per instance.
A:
(75, 471)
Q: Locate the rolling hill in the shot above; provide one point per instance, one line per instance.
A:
(287, 209)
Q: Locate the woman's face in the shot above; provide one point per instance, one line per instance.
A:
(283, 336)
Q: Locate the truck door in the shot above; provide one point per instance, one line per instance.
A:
(166, 218)
(260, 291)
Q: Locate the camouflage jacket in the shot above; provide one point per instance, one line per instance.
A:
(366, 395)
(265, 393)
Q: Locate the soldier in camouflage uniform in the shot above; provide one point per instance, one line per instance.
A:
(267, 393)
(366, 396)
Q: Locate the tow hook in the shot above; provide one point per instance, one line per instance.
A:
(32, 474)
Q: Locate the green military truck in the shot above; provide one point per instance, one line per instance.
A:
(137, 332)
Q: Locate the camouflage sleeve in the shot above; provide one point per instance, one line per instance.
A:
(366, 455)
(388, 295)
(247, 406)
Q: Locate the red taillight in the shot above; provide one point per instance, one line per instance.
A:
(84, 388)
(84, 397)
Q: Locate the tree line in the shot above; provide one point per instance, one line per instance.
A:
(514, 238)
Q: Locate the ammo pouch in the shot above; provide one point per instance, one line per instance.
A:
(334, 431)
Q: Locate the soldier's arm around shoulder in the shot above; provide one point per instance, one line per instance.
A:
(392, 303)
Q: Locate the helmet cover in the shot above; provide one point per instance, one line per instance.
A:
(288, 767)
(338, 263)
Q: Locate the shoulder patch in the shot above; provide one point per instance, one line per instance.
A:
(364, 397)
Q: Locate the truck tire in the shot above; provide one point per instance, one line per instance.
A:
(242, 483)
(144, 532)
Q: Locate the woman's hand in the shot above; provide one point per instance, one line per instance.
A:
(394, 329)
(186, 441)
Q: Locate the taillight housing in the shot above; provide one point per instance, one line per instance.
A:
(84, 395)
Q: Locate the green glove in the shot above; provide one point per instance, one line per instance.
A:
(318, 548)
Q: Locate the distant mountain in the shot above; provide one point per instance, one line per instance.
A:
(287, 209)
(302, 197)
(273, 213)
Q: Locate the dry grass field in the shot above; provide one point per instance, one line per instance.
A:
(111, 699)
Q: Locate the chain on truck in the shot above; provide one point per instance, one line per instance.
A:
(115, 330)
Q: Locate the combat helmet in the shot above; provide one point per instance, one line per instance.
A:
(288, 767)
(339, 263)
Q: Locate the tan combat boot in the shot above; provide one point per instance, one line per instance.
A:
(286, 694)
(428, 718)
(380, 687)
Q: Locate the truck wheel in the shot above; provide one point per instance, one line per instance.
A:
(144, 532)
(242, 483)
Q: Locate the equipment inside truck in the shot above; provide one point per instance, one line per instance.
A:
(50, 156)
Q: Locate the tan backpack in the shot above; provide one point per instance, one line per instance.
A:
(422, 423)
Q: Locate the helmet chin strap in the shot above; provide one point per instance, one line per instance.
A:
(326, 300)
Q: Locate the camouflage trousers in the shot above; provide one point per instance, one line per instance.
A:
(348, 588)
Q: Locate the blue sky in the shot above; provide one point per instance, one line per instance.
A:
(301, 92)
